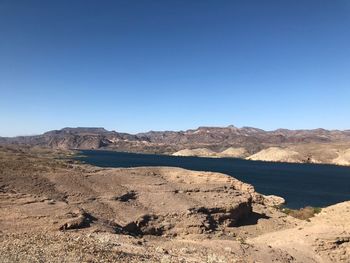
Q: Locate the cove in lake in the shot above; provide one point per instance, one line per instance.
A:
(300, 184)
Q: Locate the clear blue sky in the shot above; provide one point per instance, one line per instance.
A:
(161, 65)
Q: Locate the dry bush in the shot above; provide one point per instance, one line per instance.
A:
(302, 213)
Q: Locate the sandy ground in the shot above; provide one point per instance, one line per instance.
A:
(56, 210)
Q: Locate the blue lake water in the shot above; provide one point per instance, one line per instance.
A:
(300, 184)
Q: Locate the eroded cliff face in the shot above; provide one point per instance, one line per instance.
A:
(163, 201)
(57, 210)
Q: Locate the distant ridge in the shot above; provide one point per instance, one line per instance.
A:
(214, 136)
(212, 141)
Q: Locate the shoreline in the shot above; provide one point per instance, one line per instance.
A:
(213, 157)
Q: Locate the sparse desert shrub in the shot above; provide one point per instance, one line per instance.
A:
(302, 213)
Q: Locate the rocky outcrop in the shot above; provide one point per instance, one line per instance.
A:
(191, 202)
(273, 200)
(138, 201)
(79, 219)
(56, 210)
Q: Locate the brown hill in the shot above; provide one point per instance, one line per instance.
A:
(218, 141)
(276, 154)
(202, 152)
(239, 152)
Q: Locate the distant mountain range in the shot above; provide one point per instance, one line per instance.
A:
(282, 145)
(213, 138)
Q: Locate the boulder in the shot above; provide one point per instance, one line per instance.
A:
(273, 200)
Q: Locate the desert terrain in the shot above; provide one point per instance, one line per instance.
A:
(326, 153)
(54, 209)
(282, 145)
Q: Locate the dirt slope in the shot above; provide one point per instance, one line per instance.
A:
(276, 154)
(343, 158)
(201, 152)
(326, 238)
(239, 152)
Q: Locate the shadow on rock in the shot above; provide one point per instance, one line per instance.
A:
(252, 219)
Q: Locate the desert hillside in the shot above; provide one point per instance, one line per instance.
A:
(323, 238)
(276, 154)
(336, 153)
(239, 152)
(343, 157)
(232, 152)
(201, 152)
(54, 209)
(318, 145)
(326, 153)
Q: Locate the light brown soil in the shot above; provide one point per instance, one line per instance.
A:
(202, 152)
(327, 153)
(56, 210)
(275, 154)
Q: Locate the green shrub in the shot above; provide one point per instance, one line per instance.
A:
(302, 213)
